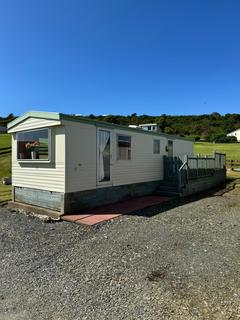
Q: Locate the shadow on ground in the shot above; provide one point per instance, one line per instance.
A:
(178, 202)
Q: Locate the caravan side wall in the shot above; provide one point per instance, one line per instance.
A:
(81, 157)
(69, 182)
(134, 177)
(182, 147)
(81, 166)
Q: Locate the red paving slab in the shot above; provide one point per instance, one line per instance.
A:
(75, 217)
(97, 218)
(91, 217)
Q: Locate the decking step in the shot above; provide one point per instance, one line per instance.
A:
(168, 188)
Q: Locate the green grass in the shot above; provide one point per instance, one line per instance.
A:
(5, 140)
(232, 150)
(5, 168)
(5, 193)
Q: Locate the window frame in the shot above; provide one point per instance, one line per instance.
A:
(49, 160)
(124, 135)
(154, 141)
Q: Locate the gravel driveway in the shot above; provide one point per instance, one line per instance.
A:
(162, 263)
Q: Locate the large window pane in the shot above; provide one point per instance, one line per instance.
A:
(33, 145)
(156, 146)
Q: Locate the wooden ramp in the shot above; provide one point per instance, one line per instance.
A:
(104, 213)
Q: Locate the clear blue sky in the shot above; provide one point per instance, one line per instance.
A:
(120, 56)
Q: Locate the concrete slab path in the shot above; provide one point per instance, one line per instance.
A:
(91, 217)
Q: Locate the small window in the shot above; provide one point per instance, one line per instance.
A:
(149, 128)
(124, 147)
(156, 146)
(33, 145)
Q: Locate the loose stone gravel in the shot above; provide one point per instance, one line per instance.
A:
(176, 261)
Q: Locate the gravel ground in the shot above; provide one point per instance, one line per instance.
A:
(165, 262)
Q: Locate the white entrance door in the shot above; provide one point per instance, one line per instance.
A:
(104, 156)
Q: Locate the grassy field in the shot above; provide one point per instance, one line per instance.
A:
(5, 140)
(5, 168)
(232, 150)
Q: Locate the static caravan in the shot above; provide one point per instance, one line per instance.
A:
(67, 163)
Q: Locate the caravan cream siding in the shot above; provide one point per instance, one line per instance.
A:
(81, 157)
(34, 123)
(81, 149)
(144, 164)
(182, 147)
(43, 176)
(74, 164)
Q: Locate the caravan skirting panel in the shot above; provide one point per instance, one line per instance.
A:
(41, 198)
(93, 198)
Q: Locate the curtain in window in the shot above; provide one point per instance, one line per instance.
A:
(102, 143)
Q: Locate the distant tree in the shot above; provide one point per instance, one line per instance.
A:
(215, 115)
(225, 139)
(162, 122)
(168, 130)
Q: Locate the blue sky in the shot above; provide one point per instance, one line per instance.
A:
(120, 56)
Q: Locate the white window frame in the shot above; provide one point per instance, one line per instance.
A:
(124, 135)
(49, 160)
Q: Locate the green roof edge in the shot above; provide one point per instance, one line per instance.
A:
(63, 116)
(118, 126)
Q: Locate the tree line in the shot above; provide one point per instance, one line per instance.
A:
(209, 127)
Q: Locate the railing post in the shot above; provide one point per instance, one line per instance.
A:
(197, 165)
(186, 160)
(179, 181)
